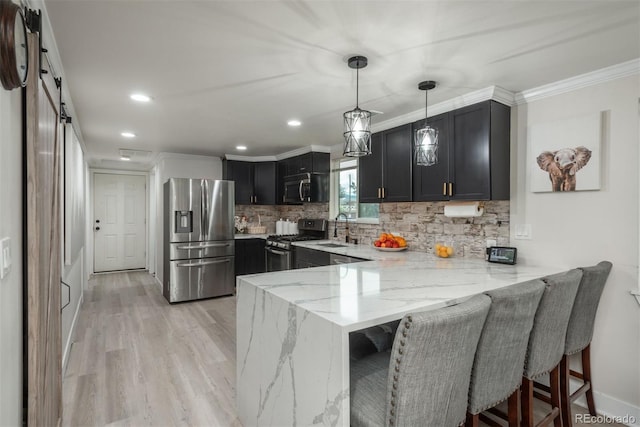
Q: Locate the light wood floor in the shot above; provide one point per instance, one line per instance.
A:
(136, 360)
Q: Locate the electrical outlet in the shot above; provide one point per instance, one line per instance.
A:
(492, 242)
(5, 257)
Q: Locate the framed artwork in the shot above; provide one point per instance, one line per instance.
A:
(565, 155)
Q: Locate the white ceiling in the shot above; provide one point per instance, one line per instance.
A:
(223, 73)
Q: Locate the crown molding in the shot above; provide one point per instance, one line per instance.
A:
(281, 156)
(603, 75)
(250, 158)
(495, 93)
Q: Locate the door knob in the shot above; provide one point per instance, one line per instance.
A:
(97, 221)
(97, 228)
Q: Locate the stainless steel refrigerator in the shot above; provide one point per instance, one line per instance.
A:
(199, 242)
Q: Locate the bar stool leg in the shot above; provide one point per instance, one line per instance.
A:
(473, 420)
(565, 397)
(554, 382)
(527, 402)
(586, 374)
(513, 407)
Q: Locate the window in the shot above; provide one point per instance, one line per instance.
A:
(345, 192)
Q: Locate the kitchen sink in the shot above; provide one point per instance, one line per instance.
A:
(332, 245)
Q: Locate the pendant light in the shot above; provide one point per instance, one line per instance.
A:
(357, 122)
(426, 140)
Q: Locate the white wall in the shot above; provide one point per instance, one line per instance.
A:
(583, 228)
(11, 286)
(171, 165)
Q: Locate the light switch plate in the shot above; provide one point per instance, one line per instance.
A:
(5, 257)
(523, 231)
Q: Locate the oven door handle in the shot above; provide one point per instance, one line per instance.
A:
(273, 251)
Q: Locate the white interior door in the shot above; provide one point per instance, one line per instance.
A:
(119, 222)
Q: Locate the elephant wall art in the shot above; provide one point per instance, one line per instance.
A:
(564, 155)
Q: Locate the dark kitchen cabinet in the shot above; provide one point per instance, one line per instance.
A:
(385, 175)
(473, 156)
(255, 182)
(249, 256)
(430, 182)
(305, 258)
(313, 162)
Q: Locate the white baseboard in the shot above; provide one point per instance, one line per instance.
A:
(158, 282)
(72, 332)
(611, 407)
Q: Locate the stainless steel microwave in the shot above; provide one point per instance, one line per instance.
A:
(306, 187)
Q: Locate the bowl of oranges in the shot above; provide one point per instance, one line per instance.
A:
(391, 243)
(443, 251)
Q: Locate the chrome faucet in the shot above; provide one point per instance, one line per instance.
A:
(346, 221)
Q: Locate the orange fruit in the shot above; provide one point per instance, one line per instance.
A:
(438, 246)
(449, 250)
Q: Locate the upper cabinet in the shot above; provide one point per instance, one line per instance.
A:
(306, 163)
(385, 174)
(313, 162)
(255, 182)
(473, 155)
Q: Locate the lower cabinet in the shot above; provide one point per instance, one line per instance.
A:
(304, 258)
(250, 256)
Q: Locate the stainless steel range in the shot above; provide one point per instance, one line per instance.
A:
(279, 248)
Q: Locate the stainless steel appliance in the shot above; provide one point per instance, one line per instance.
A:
(279, 250)
(199, 241)
(306, 187)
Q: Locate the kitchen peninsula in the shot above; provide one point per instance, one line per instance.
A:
(293, 326)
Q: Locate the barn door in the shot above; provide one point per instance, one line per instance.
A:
(42, 153)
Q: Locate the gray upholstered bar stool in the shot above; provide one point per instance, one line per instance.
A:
(499, 360)
(579, 334)
(546, 343)
(424, 379)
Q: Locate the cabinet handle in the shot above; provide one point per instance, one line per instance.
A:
(383, 195)
(379, 196)
(450, 189)
(444, 188)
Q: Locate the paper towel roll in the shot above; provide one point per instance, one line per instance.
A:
(463, 209)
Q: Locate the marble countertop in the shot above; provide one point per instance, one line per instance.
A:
(391, 284)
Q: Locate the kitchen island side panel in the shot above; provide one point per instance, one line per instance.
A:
(292, 365)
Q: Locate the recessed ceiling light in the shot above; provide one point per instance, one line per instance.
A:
(140, 97)
(128, 134)
(125, 158)
(294, 123)
(241, 147)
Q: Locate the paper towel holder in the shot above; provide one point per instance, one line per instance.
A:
(464, 209)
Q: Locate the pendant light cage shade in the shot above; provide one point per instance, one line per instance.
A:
(426, 138)
(357, 122)
(357, 133)
(426, 147)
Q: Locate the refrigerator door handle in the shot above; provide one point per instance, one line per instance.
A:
(202, 263)
(206, 245)
(204, 208)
